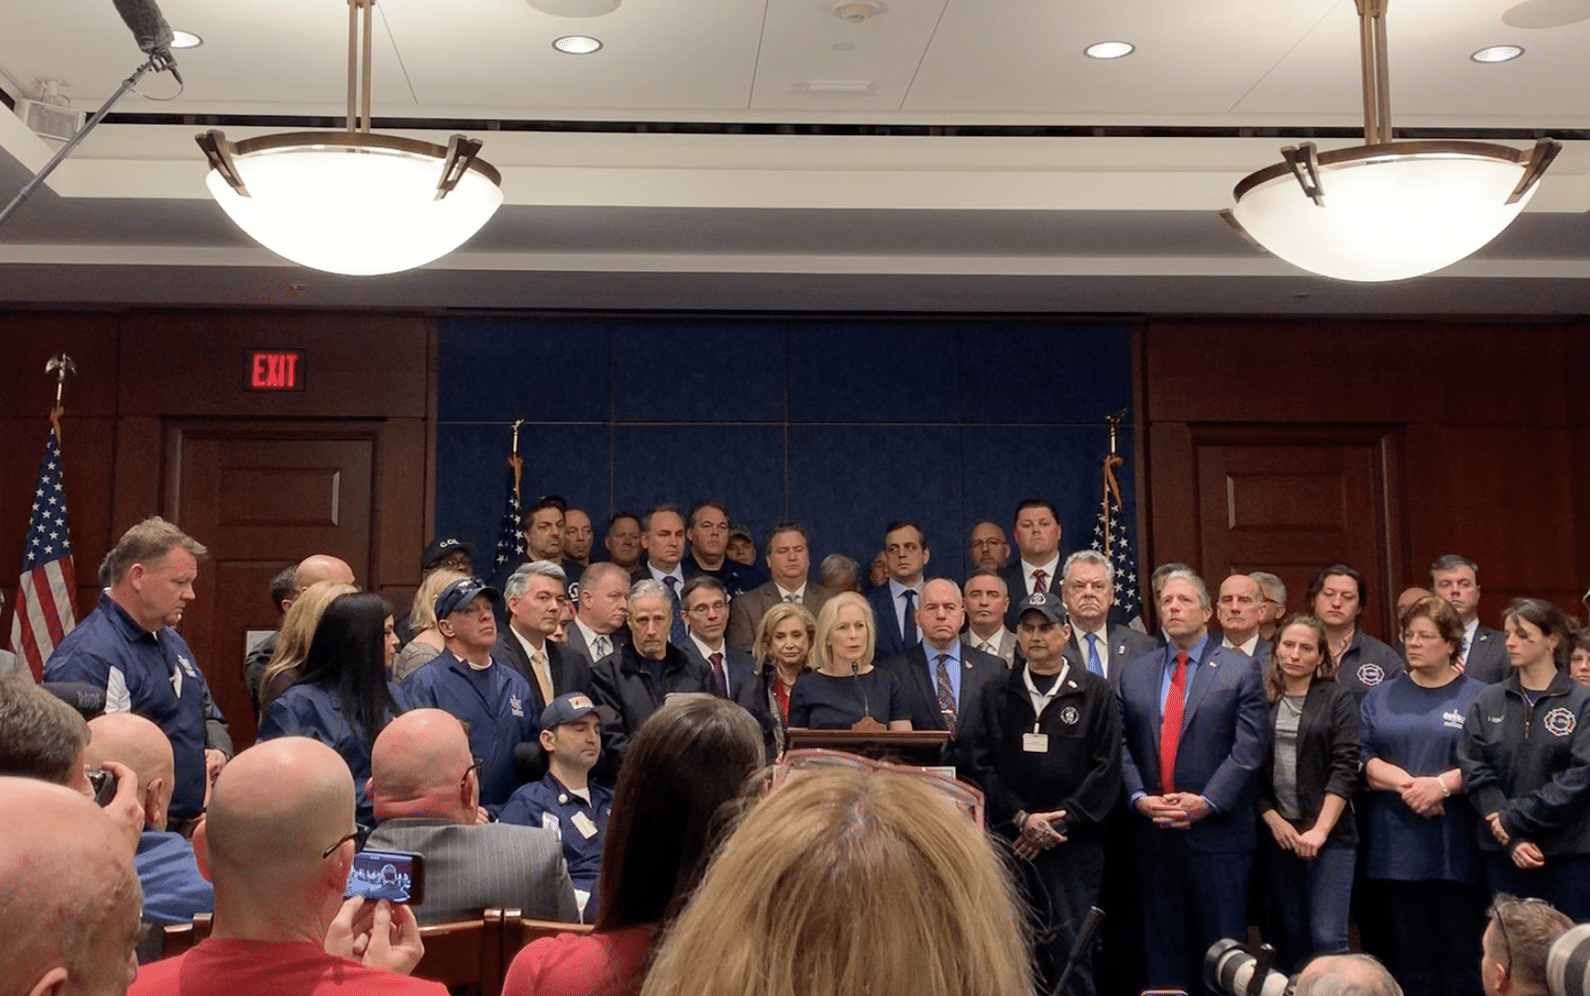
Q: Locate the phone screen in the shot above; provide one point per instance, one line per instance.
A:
(396, 876)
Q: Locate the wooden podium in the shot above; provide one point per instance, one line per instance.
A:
(921, 748)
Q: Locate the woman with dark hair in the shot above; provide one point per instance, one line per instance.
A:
(1304, 789)
(1579, 656)
(1336, 597)
(344, 697)
(1421, 827)
(685, 768)
(1526, 762)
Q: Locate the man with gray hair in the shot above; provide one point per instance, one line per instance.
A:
(633, 681)
(1273, 591)
(1346, 975)
(1195, 725)
(535, 596)
(839, 573)
(128, 646)
(1087, 587)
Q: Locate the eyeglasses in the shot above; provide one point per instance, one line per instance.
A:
(966, 798)
(1501, 908)
(474, 765)
(360, 831)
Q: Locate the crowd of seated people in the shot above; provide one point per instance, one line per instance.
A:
(579, 743)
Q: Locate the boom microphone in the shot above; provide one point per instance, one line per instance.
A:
(151, 32)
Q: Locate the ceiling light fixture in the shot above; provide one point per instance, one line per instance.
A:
(1498, 53)
(185, 39)
(1385, 210)
(577, 44)
(349, 201)
(1109, 50)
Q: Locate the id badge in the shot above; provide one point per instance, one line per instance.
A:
(1035, 743)
(583, 824)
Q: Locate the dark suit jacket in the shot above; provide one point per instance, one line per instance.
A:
(746, 612)
(575, 642)
(1015, 575)
(921, 693)
(1125, 644)
(1327, 758)
(470, 867)
(890, 641)
(1487, 658)
(1224, 741)
(746, 686)
(570, 670)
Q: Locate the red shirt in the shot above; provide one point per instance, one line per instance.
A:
(271, 968)
(606, 964)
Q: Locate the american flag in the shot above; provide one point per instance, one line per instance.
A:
(44, 612)
(1114, 540)
(510, 537)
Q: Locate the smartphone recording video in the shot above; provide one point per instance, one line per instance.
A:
(396, 876)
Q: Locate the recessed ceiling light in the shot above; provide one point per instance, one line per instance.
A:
(1497, 53)
(185, 39)
(1109, 50)
(577, 44)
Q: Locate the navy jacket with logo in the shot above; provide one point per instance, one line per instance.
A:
(496, 704)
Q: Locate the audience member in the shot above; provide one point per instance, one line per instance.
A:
(894, 604)
(445, 553)
(423, 806)
(1308, 850)
(783, 643)
(1518, 937)
(577, 537)
(705, 607)
(282, 591)
(565, 800)
(543, 540)
(1421, 828)
(535, 596)
(1346, 975)
(1525, 756)
(942, 677)
(1274, 603)
(1087, 586)
(663, 538)
(298, 630)
(173, 889)
(1407, 598)
(987, 547)
(788, 561)
(1045, 745)
(277, 843)
(1337, 597)
(741, 547)
(838, 573)
(491, 698)
(1482, 656)
(843, 690)
(622, 541)
(598, 626)
(41, 736)
(987, 600)
(1156, 581)
(345, 696)
(708, 533)
(877, 571)
(1579, 657)
(1036, 530)
(428, 640)
(69, 907)
(633, 681)
(1241, 605)
(128, 647)
(690, 761)
(1193, 718)
(798, 879)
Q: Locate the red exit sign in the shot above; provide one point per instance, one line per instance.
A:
(274, 370)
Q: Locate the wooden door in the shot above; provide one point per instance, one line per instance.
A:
(262, 494)
(1292, 501)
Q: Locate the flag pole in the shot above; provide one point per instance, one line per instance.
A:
(1108, 486)
(62, 367)
(515, 463)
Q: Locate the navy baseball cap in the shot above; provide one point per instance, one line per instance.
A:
(566, 709)
(441, 547)
(459, 594)
(1045, 602)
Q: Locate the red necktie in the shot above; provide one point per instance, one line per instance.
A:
(1038, 579)
(718, 678)
(1170, 726)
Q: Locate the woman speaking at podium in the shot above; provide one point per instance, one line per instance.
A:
(845, 689)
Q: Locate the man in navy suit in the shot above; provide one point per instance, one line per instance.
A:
(894, 603)
(705, 608)
(1483, 654)
(942, 676)
(1037, 534)
(1194, 722)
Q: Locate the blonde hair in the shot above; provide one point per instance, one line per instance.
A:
(803, 878)
(819, 657)
(297, 632)
(762, 646)
(422, 616)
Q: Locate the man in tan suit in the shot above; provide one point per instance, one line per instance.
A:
(788, 561)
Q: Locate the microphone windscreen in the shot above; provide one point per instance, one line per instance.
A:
(149, 28)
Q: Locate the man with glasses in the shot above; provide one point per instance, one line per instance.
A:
(706, 615)
(281, 925)
(425, 788)
(1517, 938)
(565, 800)
(1274, 590)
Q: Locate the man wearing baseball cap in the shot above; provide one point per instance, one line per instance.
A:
(491, 698)
(1045, 745)
(565, 800)
(445, 553)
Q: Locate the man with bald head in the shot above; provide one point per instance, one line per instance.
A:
(1241, 608)
(277, 842)
(69, 905)
(173, 889)
(943, 676)
(422, 805)
(312, 570)
(1346, 975)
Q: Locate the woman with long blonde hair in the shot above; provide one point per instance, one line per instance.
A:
(297, 632)
(427, 641)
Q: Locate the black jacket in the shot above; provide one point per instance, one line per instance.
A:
(1327, 758)
(1531, 764)
(1079, 773)
(626, 694)
(569, 671)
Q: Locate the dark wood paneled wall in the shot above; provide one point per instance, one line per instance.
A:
(1485, 431)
